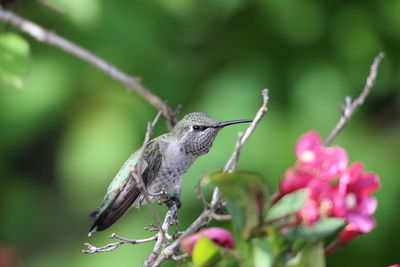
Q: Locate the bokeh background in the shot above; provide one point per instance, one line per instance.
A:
(66, 128)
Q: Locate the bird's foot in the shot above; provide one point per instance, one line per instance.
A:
(167, 199)
(172, 200)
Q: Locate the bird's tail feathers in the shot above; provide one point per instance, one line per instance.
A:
(94, 214)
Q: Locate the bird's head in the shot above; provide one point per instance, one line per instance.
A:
(197, 131)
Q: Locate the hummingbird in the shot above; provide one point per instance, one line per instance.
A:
(166, 159)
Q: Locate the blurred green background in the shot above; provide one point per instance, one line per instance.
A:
(66, 128)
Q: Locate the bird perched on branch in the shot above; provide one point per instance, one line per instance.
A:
(165, 160)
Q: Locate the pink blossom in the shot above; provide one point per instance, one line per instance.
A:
(318, 202)
(315, 161)
(352, 200)
(350, 232)
(313, 157)
(294, 179)
(218, 235)
(319, 198)
(318, 168)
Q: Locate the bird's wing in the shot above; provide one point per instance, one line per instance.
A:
(128, 193)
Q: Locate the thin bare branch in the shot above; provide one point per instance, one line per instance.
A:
(92, 249)
(51, 38)
(230, 166)
(180, 257)
(137, 175)
(351, 106)
(207, 215)
(170, 219)
(233, 161)
(200, 195)
(221, 217)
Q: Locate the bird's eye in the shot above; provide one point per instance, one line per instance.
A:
(196, 127)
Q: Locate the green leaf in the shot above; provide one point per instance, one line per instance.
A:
(287, 205)
(238, 186)
(275, 240)
(247, 194)
(14, 56)
(262, 253)
(205, 252)
(323, 228)
(238, 217)
(313, 255)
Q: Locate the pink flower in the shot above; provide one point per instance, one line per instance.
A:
(318, 202)
(319, 198)
(352, 200)
(318, 168)
(323, 162)
(294, 179)
(350, 232)
(218, 235)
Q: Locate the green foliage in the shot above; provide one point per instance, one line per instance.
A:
(323, 228)
(265, 229)
(206, 253)
(248, 194)
(312, 255)
(263, 254)
(14, 56)
(287, 205)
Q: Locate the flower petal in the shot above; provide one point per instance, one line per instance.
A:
(293, 180)
(367, 205)
(309, 213)
(309, 141)
(364, 223)
(314, 157)
(350, 232)
(218, 235)
(189, 242)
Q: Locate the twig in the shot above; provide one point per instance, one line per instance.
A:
(351, 106)
(200, 194)
(92, 249)
(233, 161)
(221, 217)
(206, 216)
(137, 175)
(230, 166)
(170, 218)
(48, 37)
(180, 257)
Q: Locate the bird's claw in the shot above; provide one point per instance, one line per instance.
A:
(167, 199)
(172, 200)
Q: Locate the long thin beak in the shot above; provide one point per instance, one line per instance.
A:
(226, 123)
